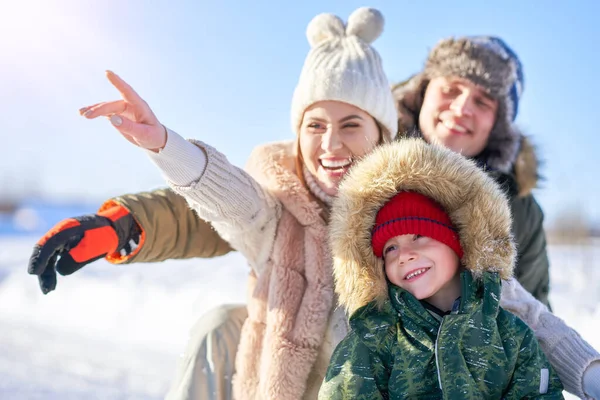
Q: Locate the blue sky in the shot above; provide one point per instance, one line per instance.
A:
(224, 72)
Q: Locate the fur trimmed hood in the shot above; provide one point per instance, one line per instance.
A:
(508, 150)
(475, 203)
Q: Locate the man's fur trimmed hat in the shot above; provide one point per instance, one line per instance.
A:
(486, 61)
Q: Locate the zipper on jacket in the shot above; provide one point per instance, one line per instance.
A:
(437, 362)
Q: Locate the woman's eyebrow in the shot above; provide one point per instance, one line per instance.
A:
(349, 117)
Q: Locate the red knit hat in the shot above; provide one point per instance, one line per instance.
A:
(413, 213)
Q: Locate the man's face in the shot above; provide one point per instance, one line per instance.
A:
(458, 114)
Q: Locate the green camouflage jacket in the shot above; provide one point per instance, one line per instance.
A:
(403, 351)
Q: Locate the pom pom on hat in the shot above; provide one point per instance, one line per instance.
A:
(366, 23)
(324, 27)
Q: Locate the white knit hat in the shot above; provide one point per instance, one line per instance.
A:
(342, 66)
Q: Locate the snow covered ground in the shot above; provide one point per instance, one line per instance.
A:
(115, 332)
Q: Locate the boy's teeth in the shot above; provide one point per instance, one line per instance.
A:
(417, 272)
(335, 163)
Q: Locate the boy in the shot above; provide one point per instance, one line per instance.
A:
(421, 238)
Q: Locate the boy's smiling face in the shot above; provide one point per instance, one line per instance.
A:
(424, 267)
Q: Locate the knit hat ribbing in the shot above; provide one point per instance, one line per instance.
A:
(413, 213)
(343, 66)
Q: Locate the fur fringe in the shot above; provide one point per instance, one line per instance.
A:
(475, 203)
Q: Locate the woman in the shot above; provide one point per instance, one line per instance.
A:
(342, 108)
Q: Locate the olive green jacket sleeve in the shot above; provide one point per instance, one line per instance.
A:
(532, 268)
(170, 229)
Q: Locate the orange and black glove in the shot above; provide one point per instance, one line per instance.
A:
(75, 242)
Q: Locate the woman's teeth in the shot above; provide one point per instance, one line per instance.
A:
(335, 164)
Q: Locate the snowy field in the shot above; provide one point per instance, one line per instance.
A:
(115, 332)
